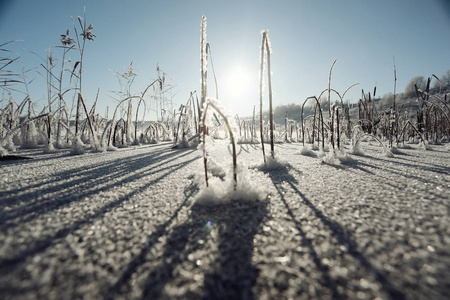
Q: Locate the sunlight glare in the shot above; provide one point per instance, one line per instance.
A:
(239, 81)
(239, 85)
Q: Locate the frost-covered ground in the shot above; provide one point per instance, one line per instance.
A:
(126, 225)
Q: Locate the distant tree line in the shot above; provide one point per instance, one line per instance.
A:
(441, 83)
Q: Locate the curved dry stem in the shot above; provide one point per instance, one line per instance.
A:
(205, 159)
(329, 88)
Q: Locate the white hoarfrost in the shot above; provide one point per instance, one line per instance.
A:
(3, 151)
(222, 190)
(273, 164)
(307, 151)
(337, 157)
(78, 147)
(61, 213)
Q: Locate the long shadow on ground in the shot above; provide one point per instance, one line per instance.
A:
(232, 276)
(78, 183)
(342, 236)
(41, 244)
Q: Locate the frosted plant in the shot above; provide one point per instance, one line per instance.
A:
(203, 61)
(78, 147)
(357, 133)
(3, 151)
(49, 148)
(66, 40)
(207, 122)
(274, 163)
(265, 48)
(222, 191)
(307, 151)
(86, 33)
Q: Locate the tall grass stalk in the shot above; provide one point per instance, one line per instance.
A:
(93, 131)
(86, 33)
(261, 121)
(203, 65)
(329, 88)
(265, 48)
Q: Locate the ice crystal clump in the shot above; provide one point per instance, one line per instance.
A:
(307, 151)
(336, 157)
(78, 147)
(425, 145)
(3, 151)
(221, 191)
(273, 164)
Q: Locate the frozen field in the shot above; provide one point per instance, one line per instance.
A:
(125, 225)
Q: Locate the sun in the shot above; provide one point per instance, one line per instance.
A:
(239, 79)
(239, 84)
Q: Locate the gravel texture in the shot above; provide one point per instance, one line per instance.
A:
(125, 225)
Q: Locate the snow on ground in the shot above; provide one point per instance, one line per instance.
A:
(127, 225)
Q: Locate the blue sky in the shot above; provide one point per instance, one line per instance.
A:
(306, 37)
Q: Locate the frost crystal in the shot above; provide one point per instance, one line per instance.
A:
(222, 191)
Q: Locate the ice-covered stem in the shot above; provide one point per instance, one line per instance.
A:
(230, 131)
(286, 126)
(93, 131)
(394, 109)
(261, 122)
(86, 34)
(408, 122)
(182, 107)
(265, 45)
(337, 128)
(209, 54)
(321, 118)
(254, 125)
(18, 127)
(332, 127)
(269, 79)
(115, 112)
(203, 62)
(329, 88)
(141, 100)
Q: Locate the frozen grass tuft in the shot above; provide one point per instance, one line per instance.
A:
(356, 150)
(395, 150)
(3, 151)
(216, 169)
(331, 159)
(388, 152)
(307, 151)
(49, 148)
(337, 157)
(78, 147)
(111, 148)
(9, 145)
(221, 191)
(272, 164)
(187, 143)
(425, 145)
